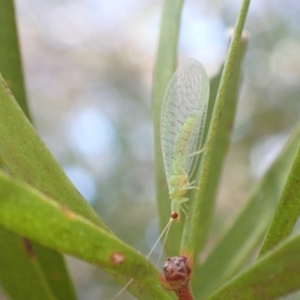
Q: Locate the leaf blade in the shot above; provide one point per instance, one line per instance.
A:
(164, 68)
(247, 231)
(275, 274)
(29, 213)
(19, 268)
(190, 233)
(287, 211)
(37, 280)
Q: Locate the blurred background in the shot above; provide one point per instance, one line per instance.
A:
(88, 68)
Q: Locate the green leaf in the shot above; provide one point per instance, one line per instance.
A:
(54, 269)
(220, 149)
(165, 65)
(222, 140)
(287, 211)
(191, 228)
(29, 213)
(19, 267)
(46, 274)
(19, 149)
(247, 231)
(275, 274)
(10, 58)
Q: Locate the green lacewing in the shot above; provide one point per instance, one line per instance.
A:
(182, 124)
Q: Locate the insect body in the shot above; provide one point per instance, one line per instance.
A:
(182, 124)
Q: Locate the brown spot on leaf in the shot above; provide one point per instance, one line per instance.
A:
(28, 247)
(117, 258)
(6, 87)
(68, 212)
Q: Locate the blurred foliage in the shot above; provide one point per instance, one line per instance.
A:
(89, 66)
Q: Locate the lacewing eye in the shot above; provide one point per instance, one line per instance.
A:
(174, 215)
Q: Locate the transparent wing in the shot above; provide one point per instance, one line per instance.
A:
(186, 99)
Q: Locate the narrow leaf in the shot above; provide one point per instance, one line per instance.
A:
(287, 211)
(46, 274)
(222, 140)
(31, 214)
(10, 58)
(20, 268)
(19, 149)
(275, 274)
(247, 231)
(164, 68)
(191, 227)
